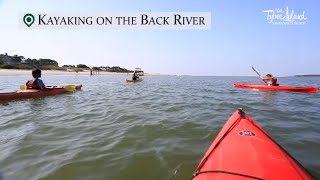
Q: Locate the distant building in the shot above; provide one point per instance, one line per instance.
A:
(6, 59)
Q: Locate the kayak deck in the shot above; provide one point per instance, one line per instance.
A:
(31, 93)
(280, 88)
(243, 150)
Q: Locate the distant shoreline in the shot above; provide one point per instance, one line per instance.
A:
(17, 72)
(308, 75)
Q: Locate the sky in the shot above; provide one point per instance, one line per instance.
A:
(240, 37)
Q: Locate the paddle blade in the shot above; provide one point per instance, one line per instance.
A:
(256, 71)
(23, 87)
(70, 88)
(258, 74)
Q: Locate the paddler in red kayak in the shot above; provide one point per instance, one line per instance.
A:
(271, 81)
(36, 83)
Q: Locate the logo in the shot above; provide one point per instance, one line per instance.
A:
(285, 17)
(246, 133)
(28, 19)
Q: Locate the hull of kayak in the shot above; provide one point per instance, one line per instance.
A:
(26, 94)
(275, 88)
(243, 150)
(130, 80)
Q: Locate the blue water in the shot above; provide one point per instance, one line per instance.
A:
(156, 129)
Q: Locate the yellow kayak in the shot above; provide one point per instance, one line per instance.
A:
(138, 80)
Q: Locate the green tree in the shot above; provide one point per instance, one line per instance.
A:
(32, 62)
(16, 59)
(46, 62)
(29, 61)
(82, 66)
(96, 69)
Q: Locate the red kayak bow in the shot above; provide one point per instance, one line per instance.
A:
(243, 150)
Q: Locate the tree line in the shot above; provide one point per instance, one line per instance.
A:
(20, 62)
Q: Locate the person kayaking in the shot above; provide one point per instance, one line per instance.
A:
(271, 80)
(36, 83)
(135, 76)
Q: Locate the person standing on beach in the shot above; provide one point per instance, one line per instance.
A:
(36, 83)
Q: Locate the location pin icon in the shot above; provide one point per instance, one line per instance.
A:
(28, 19)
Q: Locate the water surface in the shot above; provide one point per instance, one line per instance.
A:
(156, 129)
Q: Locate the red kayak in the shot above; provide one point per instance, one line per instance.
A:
(280, 88)
(243, 150)
(31, 93)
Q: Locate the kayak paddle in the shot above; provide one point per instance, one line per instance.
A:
(70, 88)
(23, 87)
(258, 74)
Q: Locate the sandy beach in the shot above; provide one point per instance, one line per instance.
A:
(11, 72)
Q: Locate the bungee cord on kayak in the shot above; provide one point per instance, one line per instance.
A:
(243, 149)
(241, 116)
(226, 172)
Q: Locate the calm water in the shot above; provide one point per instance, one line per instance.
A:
(157, 129)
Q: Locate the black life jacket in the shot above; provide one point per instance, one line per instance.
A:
(274, 82)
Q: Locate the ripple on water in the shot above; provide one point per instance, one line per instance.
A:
(157, 129)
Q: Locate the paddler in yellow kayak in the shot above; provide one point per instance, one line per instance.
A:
(271, 81)
(36, 83)
(135, 76)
